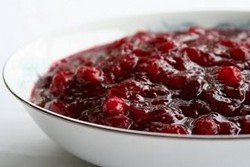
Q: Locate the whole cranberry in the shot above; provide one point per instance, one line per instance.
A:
(227, 43)
(166, 46)
(86, 74)
(127, 89)
(192, 53)
(60, 82)
(229, 128)
(119, 43)
(165, 116)
(230, 75)
(199, 57)
(114, 105)
(154, 67)
(238, 53)
(205, 126)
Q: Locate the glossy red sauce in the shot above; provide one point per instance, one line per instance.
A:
(194, 81)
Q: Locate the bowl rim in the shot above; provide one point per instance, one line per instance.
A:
(114, 129)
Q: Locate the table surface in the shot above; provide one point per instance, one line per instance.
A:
(22, 143)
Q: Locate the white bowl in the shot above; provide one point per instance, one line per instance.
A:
(107, 146)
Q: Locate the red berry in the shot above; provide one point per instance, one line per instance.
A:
(228, 128)
(192, 53)
(114, 105)
(199, 57)
(86, 74)
(119, 43)
(159, 39)
(127, 89)
(227, 43)
(205, 126)
(230, 75)
(153, 67)
(60, 82)
(238, 53)
(157, 69)
(166, 46)
(165, 116)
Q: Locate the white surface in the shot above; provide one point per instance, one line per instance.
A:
(22, 143)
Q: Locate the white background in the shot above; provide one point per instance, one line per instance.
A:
(22, 143)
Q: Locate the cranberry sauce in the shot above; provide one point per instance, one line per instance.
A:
(194, 81)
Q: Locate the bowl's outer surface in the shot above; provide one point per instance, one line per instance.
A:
(114, 149)
(120, 148)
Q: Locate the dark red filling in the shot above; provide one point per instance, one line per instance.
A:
(194, 81)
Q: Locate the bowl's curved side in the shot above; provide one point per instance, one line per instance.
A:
(105, 148)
